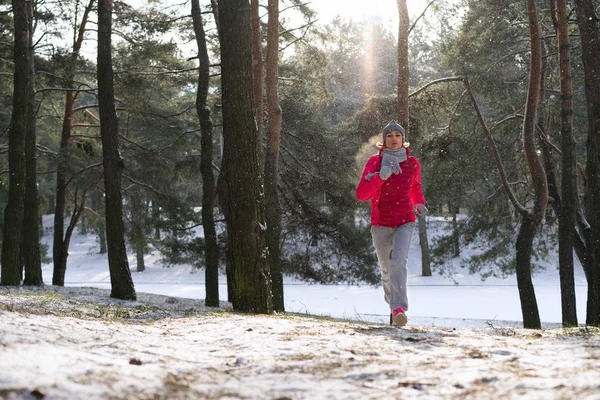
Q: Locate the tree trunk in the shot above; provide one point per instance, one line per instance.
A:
(566, 218)
(208, 178)
(558, 205)
(59, 252)
(529, 308)
(120, 275)
(274, 119)
(102, 238)
(139, 257)
(403, 110)
(223, 204)
(245, 216)
(257, 74)
(60, 248)
(530, 220)
(454, 210)
(403, 68)
(155, 217)
(222, 189)
(137, 231)
(30, 247)
(99, 224)
(590, 45)
(13, 213)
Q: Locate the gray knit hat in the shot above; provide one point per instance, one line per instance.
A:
(392, 126)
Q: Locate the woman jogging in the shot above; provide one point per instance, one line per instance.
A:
(392, 181)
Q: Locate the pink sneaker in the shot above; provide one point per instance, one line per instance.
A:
(398, 317)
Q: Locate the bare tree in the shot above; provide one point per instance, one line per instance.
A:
(13, 213)
(208, 179)
(245, 216)
(120, 275)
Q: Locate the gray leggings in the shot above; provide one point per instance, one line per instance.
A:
(391, 245)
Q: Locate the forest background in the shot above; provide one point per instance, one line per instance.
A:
(336, 86)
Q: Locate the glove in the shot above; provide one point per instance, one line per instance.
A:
(389, 165)
(385, 172)
(421, 210)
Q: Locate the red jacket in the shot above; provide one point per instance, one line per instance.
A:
(392, 200)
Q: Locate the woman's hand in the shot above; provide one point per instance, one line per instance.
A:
(421, 210)
(389, 165)
(385, 172)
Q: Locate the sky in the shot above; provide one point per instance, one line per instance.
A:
(387, 10)
(359, 10)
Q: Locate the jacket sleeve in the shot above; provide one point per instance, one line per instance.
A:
(416, 189)
(370, 182)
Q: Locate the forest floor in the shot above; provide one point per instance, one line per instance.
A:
(77, 343)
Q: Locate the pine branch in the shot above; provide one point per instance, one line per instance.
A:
(420, 16)
(511, 195)
(441, 80)
(145, 185)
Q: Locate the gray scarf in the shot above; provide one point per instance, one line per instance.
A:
(393, 158)
(390, 162)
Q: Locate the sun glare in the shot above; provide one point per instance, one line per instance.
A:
(386, 10)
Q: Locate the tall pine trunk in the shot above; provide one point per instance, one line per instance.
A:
(60, 245)
(222, 188)
(30, 247)
(120, 275)
(569, 200)
(589, 34)
(531, 219)
(245, 216)
(258, 70)
(454, 210)
(403, 110)
(13, 213)
(402, 106)
(524, 245)
(137, 231)
(274, 121)
(208, 179)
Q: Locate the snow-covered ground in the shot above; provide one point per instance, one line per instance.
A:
(454, 300)
(76, 342)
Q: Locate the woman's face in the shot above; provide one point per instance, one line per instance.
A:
(394, 140)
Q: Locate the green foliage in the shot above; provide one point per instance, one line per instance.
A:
(491, 47)
(182, 249)
(337, 90)
(321, 240)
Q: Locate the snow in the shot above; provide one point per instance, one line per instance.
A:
(454, 300)
(463, 340)
(77, 343)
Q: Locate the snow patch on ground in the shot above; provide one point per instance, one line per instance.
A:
(78, 343)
